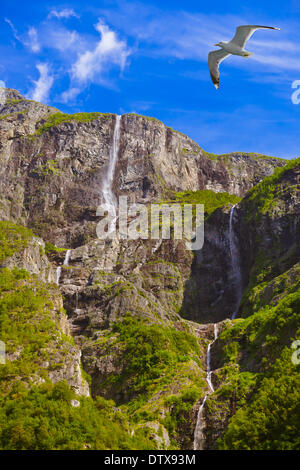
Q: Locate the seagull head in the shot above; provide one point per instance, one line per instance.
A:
(219, 44)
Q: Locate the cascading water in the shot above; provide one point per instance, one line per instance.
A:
(198, 434)
(107, 192)
(67, 258)
(235, 263)
(66, 262)
(58, 273)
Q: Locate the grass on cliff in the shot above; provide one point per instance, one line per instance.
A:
(58, 118)
(262, 197)
(13, 238)
(209, 198)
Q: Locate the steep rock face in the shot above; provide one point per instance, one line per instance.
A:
(210, 292)
(53, 166)
(266, 227)
(242, 172)
(269, 227)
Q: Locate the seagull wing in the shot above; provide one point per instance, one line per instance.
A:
(214, 60)
(244, 33)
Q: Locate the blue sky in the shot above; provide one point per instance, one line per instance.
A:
(150, 57)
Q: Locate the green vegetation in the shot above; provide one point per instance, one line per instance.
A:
(28, 327)
(16, 113)
(50, 247)
(47, 169)
(269, 199)
(152, 353)
(262, 197)
(263, 335)
(13, 238)
(265, 399)
(270, 420)
(210, 199)
(180, 407)
(58, 118)
(11, 102)
(44, 419)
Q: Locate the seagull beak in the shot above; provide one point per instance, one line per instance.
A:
(216, 45)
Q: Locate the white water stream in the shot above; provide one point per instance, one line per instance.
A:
(66, 263)
(235, 263)
(107, 190)
(198, 434)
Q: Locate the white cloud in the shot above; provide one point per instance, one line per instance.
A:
(43, 84)
(15, 32)
(69, 95)
(33, 42)
(29, 39)
(109, 52)
(62, 39)
(65, 13)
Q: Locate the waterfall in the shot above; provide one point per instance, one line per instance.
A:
(67, 257)
(66, 263)
(198, 434)
(235, 263)
(107, 192)
(58, 273)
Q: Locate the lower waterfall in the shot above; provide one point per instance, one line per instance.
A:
(198, 434)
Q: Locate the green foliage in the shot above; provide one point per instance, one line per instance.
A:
(180, 407)
(210, 199)
(11, 102)
(44, 419)
(27, 326)
(13, 238)
(50, 247)
(265, 333)
(152, 353)
(265, 398)
(47, 169)
(231, 351)
(270, 421)
(271, 291)
(57, 118)
(16, 113)
(262, 197)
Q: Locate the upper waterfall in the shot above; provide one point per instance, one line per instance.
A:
(107, 191)
(235, 263)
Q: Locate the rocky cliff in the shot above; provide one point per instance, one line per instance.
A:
(133, 318)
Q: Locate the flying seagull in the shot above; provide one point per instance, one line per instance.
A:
(234, 47)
